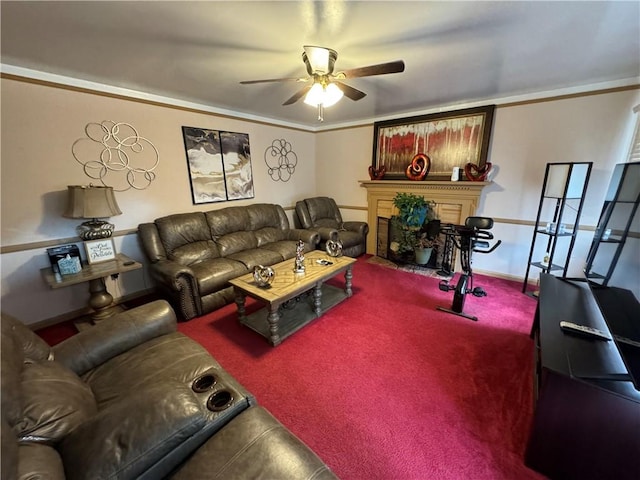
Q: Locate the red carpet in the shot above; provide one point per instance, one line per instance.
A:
(384, 386)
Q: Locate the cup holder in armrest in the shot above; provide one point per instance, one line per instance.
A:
(220, 400)
(203, 383)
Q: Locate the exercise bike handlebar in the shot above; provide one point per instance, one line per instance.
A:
(496, 245)
(484, 235)
(472, 233)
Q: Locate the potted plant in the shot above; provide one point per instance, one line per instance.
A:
(424, 248)
(413, 211)
(412, 208)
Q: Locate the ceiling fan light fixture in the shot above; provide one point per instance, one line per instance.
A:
(319, 60)
(323, 95)
(315, 96)
(332, 94)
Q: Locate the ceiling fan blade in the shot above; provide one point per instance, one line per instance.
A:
(380, 69)
(350, 92)
(271, 80)
(298, 95)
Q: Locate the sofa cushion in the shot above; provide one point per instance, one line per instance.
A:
(227, 220)
(214, 274)
(323, 212)
(257, 256)
(32, 346)
(286, 249)
(39, 462)
(194, 252)
(254, 445)
(169, 357)
(268, 235)
(55, 402)
(326, 222)
(124, 331)
(236, 242)
(8, 451)
(263, 215)
(130, 436)
(182, 229)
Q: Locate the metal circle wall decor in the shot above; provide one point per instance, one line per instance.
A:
(419, 167)
(108, 153)
(281, 160)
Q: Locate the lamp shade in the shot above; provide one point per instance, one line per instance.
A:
(91, 202)
(315, 96)
(323, 95)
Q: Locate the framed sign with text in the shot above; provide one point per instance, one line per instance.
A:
(100, 250)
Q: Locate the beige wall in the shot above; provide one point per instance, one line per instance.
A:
(591, 128)
(40, 124)
(342, 158)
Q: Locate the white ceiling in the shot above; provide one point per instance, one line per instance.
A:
(456, 53)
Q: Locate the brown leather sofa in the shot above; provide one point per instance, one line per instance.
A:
(194, 255)
(321, 214)
(133, 398)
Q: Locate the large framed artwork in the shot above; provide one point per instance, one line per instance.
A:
(219, 165)
(449, 139)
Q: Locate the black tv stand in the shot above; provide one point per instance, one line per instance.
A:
(587, 415)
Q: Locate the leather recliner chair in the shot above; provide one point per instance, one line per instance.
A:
(321, 214)
(133, 398)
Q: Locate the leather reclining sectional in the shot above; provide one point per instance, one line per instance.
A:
(133, 398)
(322, 214)
(194, 255)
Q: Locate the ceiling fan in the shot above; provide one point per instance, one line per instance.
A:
(326, 88)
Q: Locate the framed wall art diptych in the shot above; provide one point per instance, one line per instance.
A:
(219, 165)
(449, 139)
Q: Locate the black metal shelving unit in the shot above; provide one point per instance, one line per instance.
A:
(619, 209)
(563, 193)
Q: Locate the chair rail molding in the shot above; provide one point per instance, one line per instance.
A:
(455, 201)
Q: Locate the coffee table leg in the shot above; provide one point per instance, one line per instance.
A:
(317, 299)
(240, 301)
(348, 276)
(273, 318)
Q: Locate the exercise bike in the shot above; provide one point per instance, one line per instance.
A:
(468, 238)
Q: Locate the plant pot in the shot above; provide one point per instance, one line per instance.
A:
(417, 218)
(423, 255)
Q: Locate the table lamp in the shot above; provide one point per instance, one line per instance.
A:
(93, 203)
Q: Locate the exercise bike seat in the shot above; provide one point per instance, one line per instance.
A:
(479, 223)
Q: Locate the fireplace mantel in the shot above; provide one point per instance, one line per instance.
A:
(455, 201)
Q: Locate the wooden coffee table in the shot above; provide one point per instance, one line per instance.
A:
(293, 299)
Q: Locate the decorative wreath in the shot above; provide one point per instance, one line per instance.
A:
(377, 174)
(419, 167)
(475, 173)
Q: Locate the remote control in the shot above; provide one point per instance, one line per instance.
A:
(583, 330)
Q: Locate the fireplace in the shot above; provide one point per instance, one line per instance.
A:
(455, 201)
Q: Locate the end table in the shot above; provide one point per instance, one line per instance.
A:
(100, 300)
